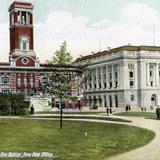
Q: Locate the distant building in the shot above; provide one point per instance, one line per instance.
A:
(123, 75)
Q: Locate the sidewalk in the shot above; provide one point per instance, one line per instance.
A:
(150, 151)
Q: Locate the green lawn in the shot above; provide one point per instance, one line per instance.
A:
(149, 115)
(70, 143)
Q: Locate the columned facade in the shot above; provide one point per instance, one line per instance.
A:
(124, 75)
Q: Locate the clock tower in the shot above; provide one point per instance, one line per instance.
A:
(21, 35)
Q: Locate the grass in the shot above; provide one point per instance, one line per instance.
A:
(149, 115)
(102, 140)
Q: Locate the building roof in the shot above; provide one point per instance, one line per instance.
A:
(4, 64)
(122, 48)
(17, 4)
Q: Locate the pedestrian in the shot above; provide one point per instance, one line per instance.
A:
(142, 109)
(127, 108)
(158, 112)
(151, 107)
(107, 110)
(32, 109)
(110, 110)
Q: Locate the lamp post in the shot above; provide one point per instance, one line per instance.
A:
(61, 111)
(79, 103)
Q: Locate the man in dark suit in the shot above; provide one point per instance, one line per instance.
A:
(158, 112)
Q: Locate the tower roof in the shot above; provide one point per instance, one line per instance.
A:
(18, 4)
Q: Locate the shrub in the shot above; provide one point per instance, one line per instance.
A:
(12, 104)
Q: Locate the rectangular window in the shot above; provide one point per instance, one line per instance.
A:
(116, 75)
(131, 74)
(19, 81)
(95, 86)
(151, 83)
(105, 85)
(116, 84)
(131, 84)
(5, 80)
(25, 81)
(5, 91)
(25, 92)
(18, 91)
(110, 75)
(24, 46)
(31, 82)
(150, 73)
(110, 85)
(23, 17)
(90, 85)
(99, 85)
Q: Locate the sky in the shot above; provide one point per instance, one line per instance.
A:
(87, 25)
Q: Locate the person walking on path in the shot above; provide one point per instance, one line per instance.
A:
(110, 111)
(32, 110)
(142, 109)
(107, 110)
(158, 113)
(127, 108)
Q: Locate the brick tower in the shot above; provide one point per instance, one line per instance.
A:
(21, 34)
(22, 48)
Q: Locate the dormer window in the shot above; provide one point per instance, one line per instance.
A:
(24, 43)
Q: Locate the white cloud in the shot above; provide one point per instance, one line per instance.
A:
(4, 42)
(134, 25)
(138, 13)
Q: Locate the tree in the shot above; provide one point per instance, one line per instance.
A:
(59, 81)
(62, 56)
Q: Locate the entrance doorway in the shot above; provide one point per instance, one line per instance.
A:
(116, 101)
(110, 101)
(154, 100)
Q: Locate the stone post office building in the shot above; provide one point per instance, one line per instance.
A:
(123, 75)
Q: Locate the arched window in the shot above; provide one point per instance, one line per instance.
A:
(24, 43)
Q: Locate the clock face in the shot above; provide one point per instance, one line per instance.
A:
(25, 60)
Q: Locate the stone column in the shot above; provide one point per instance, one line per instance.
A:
(147, 74)
(107, 76)
(97, 85)
(92, 79)
(113, 84)
(157, 75)
(102, 102)
(102, 83)
(20, 18)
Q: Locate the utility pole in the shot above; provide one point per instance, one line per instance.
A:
(99, 45)
(61, 110)
(154, 34)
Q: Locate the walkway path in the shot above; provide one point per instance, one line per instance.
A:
(150, 151)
